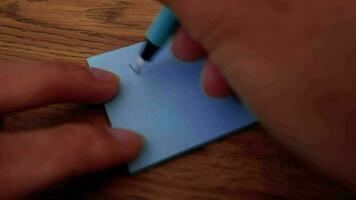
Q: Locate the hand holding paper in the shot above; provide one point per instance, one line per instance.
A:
(167, 106)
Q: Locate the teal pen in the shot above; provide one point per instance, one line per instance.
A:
(159, 32)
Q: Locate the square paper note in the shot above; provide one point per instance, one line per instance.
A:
(167, 105)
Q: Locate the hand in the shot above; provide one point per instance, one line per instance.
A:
(293, 62)
(33, 160)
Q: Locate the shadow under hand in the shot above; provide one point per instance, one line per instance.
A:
(84, 187)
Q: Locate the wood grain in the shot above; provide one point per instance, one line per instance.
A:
(248, 165)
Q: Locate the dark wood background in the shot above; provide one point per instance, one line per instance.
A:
(248, 165)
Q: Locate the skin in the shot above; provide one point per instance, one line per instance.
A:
(293, 62)
(32, 160)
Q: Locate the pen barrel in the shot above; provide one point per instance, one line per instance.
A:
(162, 28)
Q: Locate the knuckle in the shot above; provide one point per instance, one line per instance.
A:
(3, 166)
(8, 163)
(86, 137)
(79, 130)
(59, 77)
(70, 72)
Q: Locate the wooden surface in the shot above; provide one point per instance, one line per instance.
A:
(248, 165)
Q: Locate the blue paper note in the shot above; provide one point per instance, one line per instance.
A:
(167, 106)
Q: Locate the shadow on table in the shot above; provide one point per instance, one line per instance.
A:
(85, 187)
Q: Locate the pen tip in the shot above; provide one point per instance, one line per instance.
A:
(135, 68)
(138, 66)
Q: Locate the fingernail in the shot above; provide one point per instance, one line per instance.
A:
(127, 138)
(103, 75)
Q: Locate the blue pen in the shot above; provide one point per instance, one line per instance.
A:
(159, 32)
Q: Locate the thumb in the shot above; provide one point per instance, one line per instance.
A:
(31, 161)
(222, 29)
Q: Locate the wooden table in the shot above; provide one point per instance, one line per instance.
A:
(248, 165)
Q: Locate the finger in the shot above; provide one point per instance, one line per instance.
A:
(214, 84)
(185, 48)
(31, 161)
(31, 84)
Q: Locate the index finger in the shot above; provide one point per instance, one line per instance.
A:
(31, 84)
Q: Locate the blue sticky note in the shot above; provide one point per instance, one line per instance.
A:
(167, 105)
